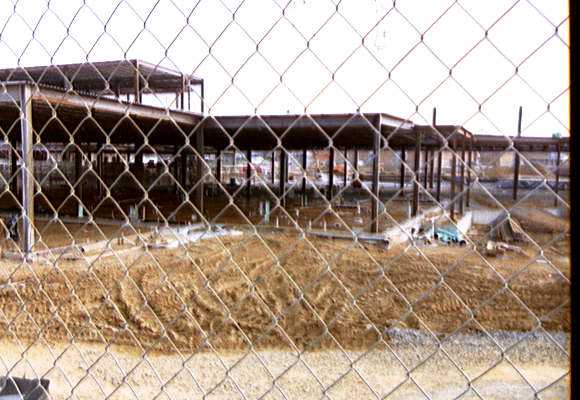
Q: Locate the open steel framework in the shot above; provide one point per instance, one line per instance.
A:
(83, 105)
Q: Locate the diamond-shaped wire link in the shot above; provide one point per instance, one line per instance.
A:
(285, 199)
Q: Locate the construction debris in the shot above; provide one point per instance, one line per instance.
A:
(493, 249)
(505, 229)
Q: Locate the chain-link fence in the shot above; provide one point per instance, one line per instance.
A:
(298, 199)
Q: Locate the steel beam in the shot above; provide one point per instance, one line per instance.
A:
(453, 179)
(517, 159)
(13, 168)
(469, 164)
(199, 168)
(248, 176)
(218, 167)
(462, 180)
(282, 182)
(375, 189)
(273, 167)
(345, 172)
(402, 168)
(558, 149)
(304, 166)
(330, 174)
(431, 167)
(425, 167)
(137, 84)
(27, 170)
(416, 170)
(439, 165)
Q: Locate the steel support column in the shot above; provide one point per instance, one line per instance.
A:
(304, 165)
(248, 176)
(558, 156)
(402, 168)
(27, 170)
(517, 159)
(218, 167)
(375, 189)
(469, 164)
(439, 165)
(137, 84)
(13, 168)
(273, 167)
(330, 173)
(425, 168)
(431, 167)
(198, 196)
(345, 172)
(462, 181)
(100, 172)
(416, 170)
(453, 179)
(282, 182)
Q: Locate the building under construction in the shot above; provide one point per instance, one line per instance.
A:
(81, 140)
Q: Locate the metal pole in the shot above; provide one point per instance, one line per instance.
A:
(330, 174)
(27, 169)
(304, 165)
(202, 106)
(218, 166)
(137, 84)
(453, 178)
(462, 181)
(439, 165)
(282, 182)
(558, 149)
(13, 168)
(469, 163)
(183, 170)
(198, 192)
(425, 168)
(345, 177)
(517, 159)
(175, 169)
(355, 161)
(376, 177)
(402, 167)
(431, 167)
(139, 167)
(273, 167)
(100, 171)
(182, 94)
(417, 168)
(188, 94)
(248, 176)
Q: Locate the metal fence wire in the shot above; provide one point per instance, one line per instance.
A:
(284, 199)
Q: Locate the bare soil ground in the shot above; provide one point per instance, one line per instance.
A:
(278, 290)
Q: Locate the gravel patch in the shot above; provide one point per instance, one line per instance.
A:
(414, 366)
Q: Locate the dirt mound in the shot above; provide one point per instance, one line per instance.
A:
(535, 169)
(279, 292)
(538, 221)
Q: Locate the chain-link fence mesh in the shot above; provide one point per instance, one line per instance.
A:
(284, 199)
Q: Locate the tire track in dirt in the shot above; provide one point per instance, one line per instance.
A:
(170, 298)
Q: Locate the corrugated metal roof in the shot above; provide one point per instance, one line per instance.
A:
(103, 77)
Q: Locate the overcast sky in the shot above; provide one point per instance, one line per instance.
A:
(292, 56)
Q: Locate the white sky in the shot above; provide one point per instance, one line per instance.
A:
(273, 70)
